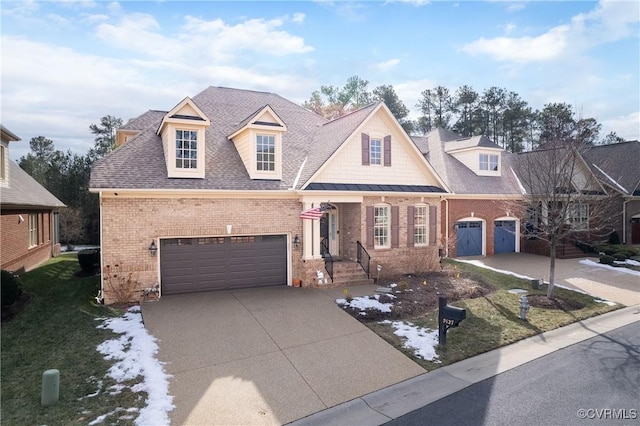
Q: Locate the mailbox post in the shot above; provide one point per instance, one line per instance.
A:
(448, 316)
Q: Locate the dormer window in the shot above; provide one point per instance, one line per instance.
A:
(183, 138)
(489, 162)
(266, 153)
(186, 149)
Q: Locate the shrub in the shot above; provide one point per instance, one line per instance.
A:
(11, 288)
(614, 238)
(89, 260)
(606, 259)
(620, 256)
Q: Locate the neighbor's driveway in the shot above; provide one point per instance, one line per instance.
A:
(607, 284)
(267, 356)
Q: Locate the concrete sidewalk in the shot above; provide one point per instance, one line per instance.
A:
(394, 401)
(607, 284)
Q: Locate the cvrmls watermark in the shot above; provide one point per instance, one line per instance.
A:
(608, 413)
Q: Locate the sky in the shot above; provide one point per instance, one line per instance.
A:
(67, 63)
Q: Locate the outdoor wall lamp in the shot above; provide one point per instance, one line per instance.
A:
(296, 241)
(152, 248)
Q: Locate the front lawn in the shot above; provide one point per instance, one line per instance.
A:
(492, 311)
(57, 330)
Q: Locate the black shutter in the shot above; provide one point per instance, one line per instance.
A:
(365, 149)
(387, 151)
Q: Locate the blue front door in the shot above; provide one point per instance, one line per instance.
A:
(505, 236)
(469, 238)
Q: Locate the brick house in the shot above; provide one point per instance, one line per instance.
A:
(481, 215)
(209, 196)
(29, 216)
(617, 167)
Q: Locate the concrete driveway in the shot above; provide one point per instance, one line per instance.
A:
(607, 284)
(267, 356)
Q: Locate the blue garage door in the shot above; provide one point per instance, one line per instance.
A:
(469, 238)
(505, 236)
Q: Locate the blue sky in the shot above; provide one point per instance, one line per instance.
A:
(67, 63)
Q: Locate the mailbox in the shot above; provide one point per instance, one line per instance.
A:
(452, 316)
(448, 316)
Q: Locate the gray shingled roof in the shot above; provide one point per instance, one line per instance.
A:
(616, 165)
(25, 192)
(458, 177)
(140, 162)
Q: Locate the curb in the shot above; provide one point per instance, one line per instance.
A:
(386, 404)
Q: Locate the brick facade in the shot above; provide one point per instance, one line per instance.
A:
(15, 253)
(485, 210)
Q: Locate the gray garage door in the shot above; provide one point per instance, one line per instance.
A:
(505, 236)
(469, 238)
(203, 264)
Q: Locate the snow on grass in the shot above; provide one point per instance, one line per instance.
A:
(590, 262)
(630, 262)
(606, 302)
(365, 302)
(422, 341)
(502, 271)
(134, 352)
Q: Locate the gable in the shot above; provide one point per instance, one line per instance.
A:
(400, 163)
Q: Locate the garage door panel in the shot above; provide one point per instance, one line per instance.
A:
(469, 238)
(202, 264)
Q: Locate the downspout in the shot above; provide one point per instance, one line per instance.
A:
(624, 221)
(100, 296)
(446, 220)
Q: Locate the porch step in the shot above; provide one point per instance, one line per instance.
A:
(351, 273)
(569, 251)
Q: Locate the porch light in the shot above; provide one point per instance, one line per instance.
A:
(296, 241)
(153, 249)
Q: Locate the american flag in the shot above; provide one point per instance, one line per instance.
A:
(314, 213)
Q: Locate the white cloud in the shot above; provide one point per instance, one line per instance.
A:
(411, 91)
(387, 65)
(626, 126)
(611, 20)
(412, 2)
(524, 49)
(298, 18)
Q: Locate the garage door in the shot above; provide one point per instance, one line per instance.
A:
(505, 236)
(203, 264)
(469, 241)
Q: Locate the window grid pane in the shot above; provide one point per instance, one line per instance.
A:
(484, 162)
(381, 226)
(420, 221)
(266, 153)
(375, 152)
(493, 163)
(186, 149)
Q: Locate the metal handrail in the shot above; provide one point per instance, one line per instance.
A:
(328, 259)
(363, 258)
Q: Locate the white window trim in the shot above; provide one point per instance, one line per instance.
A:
(575, 212)
(386, 227)
(33, 230)
(170, 144)
(276, 173)
(380, 159)
(425, 226)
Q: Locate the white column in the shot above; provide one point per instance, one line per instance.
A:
(316, 239)
(307, 235)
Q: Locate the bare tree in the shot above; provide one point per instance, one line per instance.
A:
(564, 201)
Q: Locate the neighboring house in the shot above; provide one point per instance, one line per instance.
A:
(29, 215)
(481, 215)
(209, 196)
(617, 167)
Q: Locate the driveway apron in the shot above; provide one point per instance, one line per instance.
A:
(267, 356)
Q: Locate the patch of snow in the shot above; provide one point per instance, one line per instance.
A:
(393, 285)
(366, 302)
(606, 302)
(134, 352)
(502, 271)
(421, 340)
(590, 262)
(632, 262)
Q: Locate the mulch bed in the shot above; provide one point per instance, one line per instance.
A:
(542, 301)
(416, 295)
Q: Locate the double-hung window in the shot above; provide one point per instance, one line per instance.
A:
(33, 230)
(266, 153)
(381, 226)
(420, 225)
(489, 162)
(375, 152)
(579, 216)
(186, 149)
